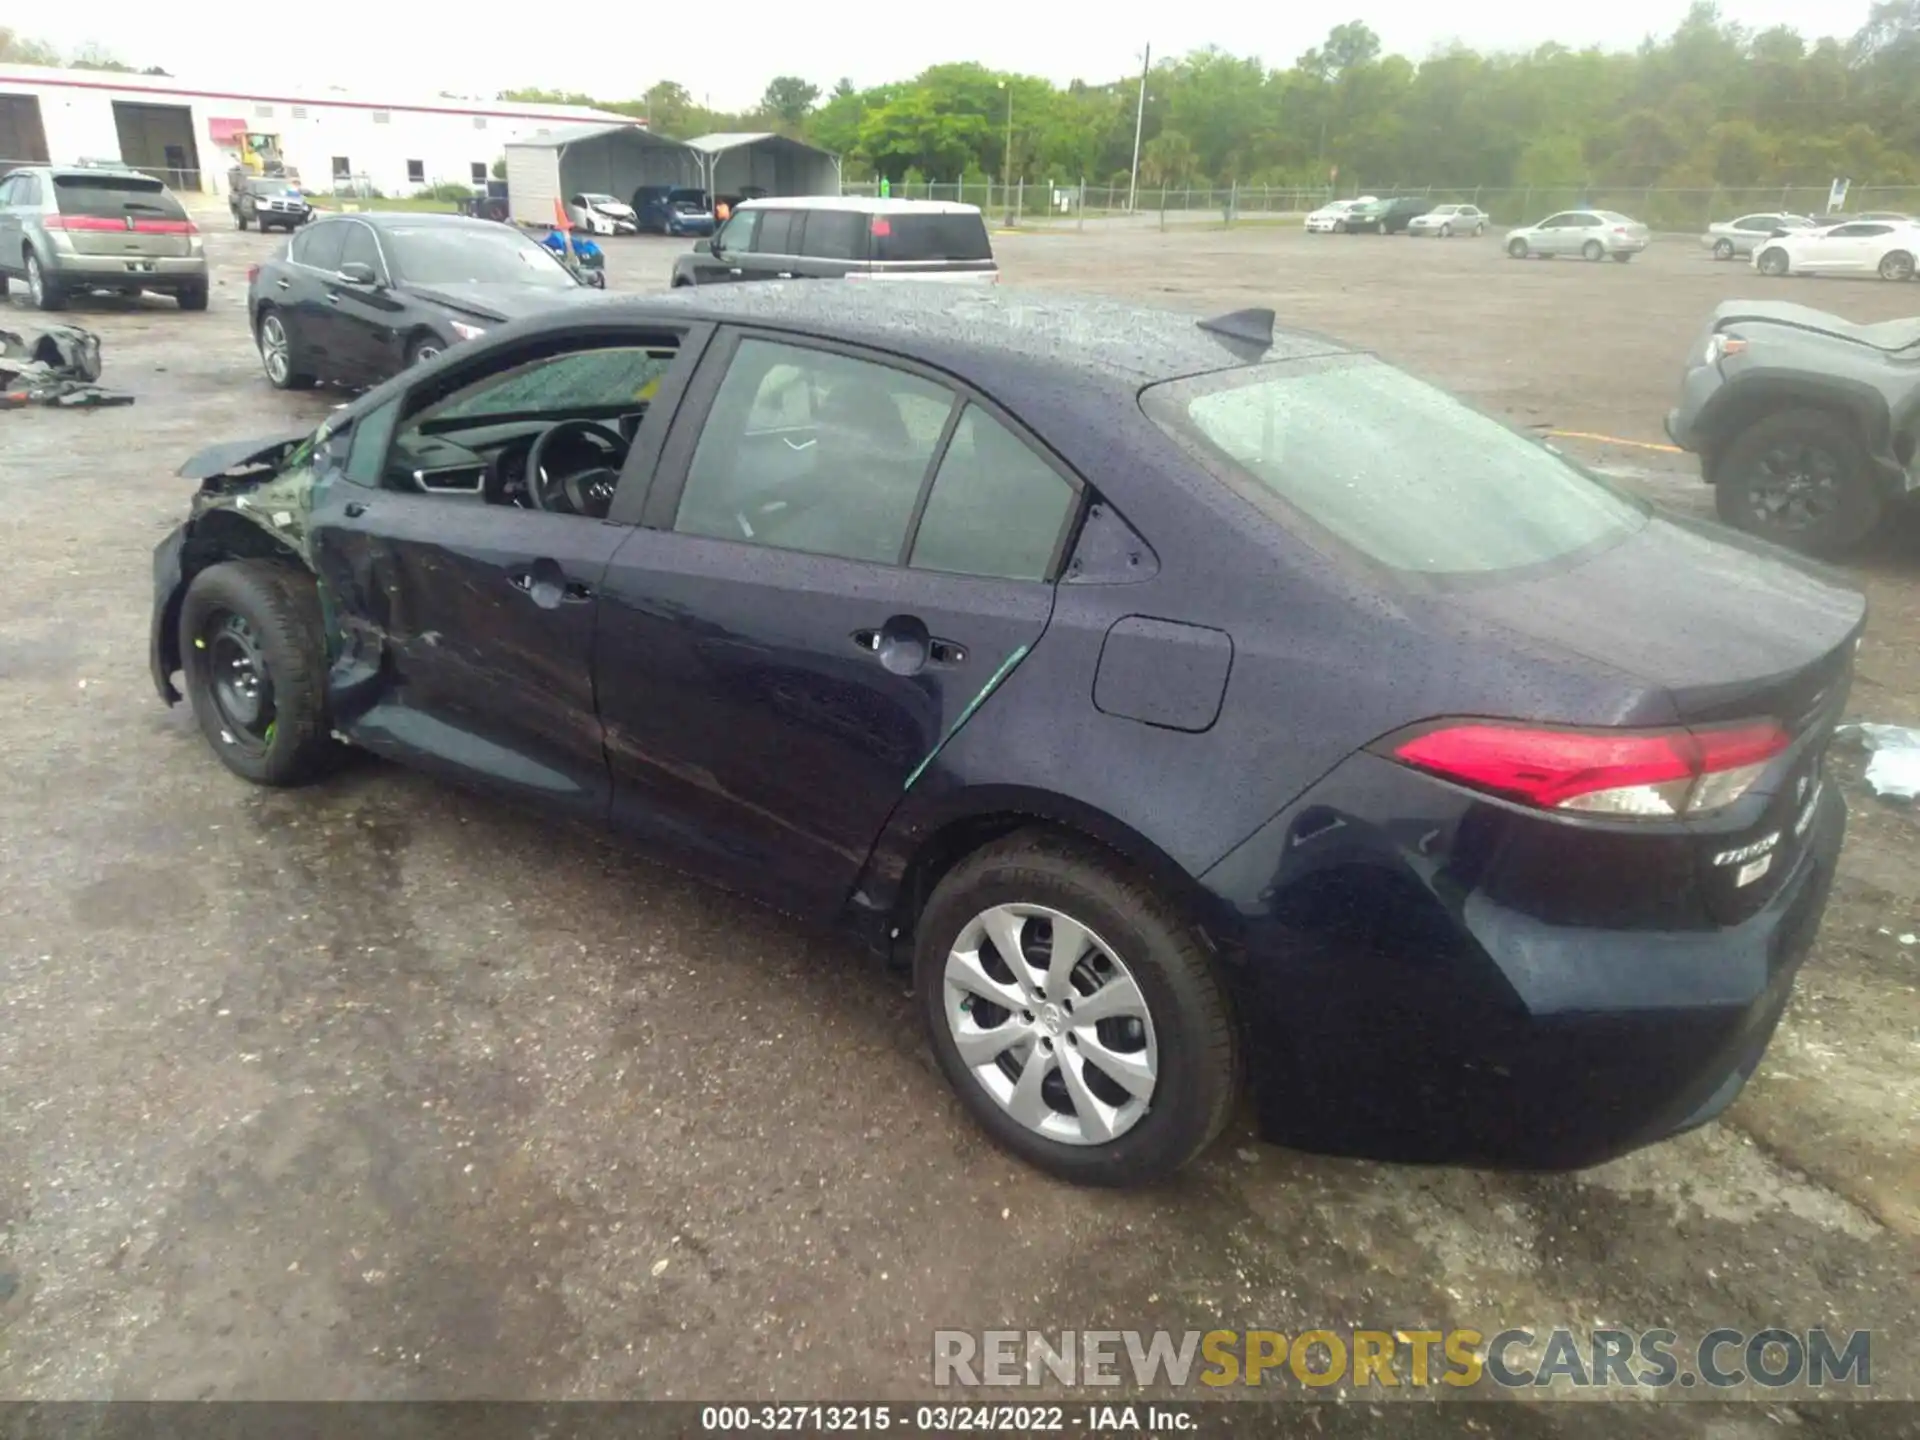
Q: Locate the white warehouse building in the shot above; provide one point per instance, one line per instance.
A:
(335, 140)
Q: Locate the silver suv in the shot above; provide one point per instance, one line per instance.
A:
(65, 230)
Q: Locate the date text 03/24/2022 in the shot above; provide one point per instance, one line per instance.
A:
(949, 1419)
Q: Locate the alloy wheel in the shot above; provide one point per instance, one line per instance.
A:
(275, 351)
(1051, 1024)
(1897, 266)
(1796, 486)
(238, 680)
(36, 283)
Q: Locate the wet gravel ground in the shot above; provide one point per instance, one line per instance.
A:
(381, 1090)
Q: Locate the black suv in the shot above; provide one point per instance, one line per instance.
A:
(266, 201)
(822, 237)
(1388, 217)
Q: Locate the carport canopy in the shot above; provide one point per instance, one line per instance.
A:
(775, 164)
(609, 159)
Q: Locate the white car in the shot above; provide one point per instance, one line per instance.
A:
(1445, 220)
(1331, 218)
(602, 215)
(1730, 238)
(1590, 234)
(1861, 247)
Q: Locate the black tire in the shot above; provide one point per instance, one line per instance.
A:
(1622, 257)
(423, 348)
(240, 218)
(193, 297)
(1197, 1046)
(1593, 250)
(1339, 227)
(1773, 261)
(296, 374)
(1478, 231)
(269, 611)
(1896, 265)
(1800, 478)
(46, 290)
(1723, 249)
(1517, 249)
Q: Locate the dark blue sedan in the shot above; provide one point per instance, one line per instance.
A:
(1185, 701)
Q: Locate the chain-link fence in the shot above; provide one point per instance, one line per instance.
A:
(1075, 203)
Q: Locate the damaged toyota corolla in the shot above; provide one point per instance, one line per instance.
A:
(1183, 700)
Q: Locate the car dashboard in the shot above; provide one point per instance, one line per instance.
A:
(483, 461)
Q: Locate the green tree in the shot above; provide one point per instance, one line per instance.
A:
(788, 100)
(18, 49)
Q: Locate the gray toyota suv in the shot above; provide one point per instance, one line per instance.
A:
(65, 230)
(841, 237)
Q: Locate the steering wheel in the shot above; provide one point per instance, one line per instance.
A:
(586, 491)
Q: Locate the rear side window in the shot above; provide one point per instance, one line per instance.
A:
(1390, 466)
(779, 232)
(835, 235)
(996, 507)
(958, 236)
(110, 197)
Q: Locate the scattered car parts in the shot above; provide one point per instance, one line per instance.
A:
(59, 367)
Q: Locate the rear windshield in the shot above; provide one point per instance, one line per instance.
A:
(957, 236)
(109, 197)
(1387, 464)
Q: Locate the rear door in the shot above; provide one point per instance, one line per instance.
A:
(785, 643)
(130, 216)
(833, 243)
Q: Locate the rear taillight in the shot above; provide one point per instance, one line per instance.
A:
(1643, 774)
(81, 222)
(253, 273)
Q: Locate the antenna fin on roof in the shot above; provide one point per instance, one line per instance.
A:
(1248, 333)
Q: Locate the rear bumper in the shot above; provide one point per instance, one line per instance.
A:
(1395, 1009)
(159, 272)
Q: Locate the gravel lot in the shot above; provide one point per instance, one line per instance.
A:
(382, 1090)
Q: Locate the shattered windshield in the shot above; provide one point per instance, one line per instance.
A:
(611, 379)
(459, 254)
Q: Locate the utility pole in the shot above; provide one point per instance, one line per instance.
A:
(1139, 119)
(1006, 161)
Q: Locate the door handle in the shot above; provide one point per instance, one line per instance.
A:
(734, 271)
(784, 275)
(284, 284)
(903, 646)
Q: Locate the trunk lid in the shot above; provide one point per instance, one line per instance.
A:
(129, 215)
(1727, 629)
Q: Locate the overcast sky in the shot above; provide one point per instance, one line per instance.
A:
(724, 51)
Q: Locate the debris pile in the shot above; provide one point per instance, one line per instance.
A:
(1894, 770)
(60, 367)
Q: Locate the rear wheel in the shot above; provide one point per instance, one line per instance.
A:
(193, 297)
(1593, 250)
(1896, 266)
(423, 349)
(1075, 1011)
(1800, 478)
(1723, 249)
(254, 654)
(1773, 261)
(1621, 257)
(280, 354)
(1517, 249)
(43, 291)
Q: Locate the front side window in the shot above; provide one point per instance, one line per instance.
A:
(739, 233)
(322, 246)
(996, 507)
(813, 451)
(612, 380)
(779, 232)
(362, 247)
(1390, 466)
(835, 235)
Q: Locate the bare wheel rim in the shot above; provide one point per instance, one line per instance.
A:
(238, 681)
(275, 352)
(36, 286)
(1051, 1024)
(424, 353)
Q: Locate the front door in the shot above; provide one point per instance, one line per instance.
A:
(729, 252)
(465, 614)
(840, 562)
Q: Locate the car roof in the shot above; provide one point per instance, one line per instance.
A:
(58, 172)
(380, 219)
(1105, 341)
(860, 204)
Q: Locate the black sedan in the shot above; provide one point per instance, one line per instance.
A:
(1182, 699)
(356, 298)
